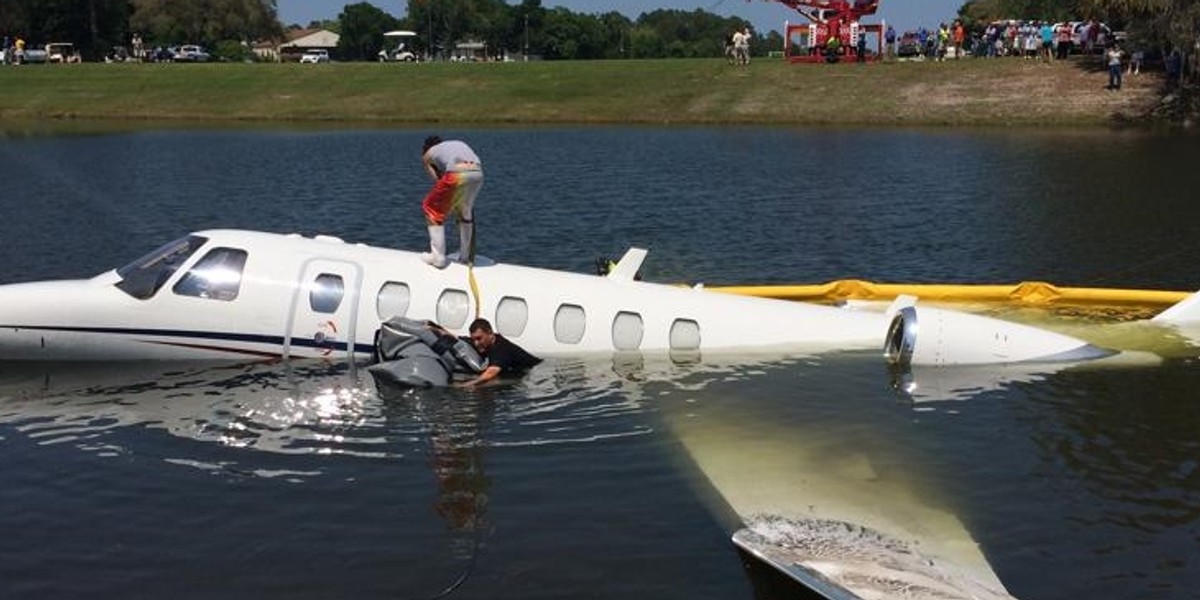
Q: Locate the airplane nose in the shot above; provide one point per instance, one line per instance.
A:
(37, 316)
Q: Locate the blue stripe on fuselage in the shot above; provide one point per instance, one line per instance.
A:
(275, 341)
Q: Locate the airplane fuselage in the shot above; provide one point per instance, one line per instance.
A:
(244, 294)
(233, 294)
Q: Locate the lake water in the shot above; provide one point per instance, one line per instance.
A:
(613, 477)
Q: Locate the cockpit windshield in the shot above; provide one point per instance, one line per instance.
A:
(143, 277)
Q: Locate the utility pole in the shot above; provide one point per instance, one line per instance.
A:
(526, 37)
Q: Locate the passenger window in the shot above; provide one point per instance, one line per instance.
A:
(512, 314)
(393, 300)
(685, 335)
(326, 293)
(452, 309)
(217, 276)
(569, 324)
(627, 330)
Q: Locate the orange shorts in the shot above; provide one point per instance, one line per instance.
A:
(453, 192)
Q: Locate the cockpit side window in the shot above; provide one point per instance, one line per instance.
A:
(143, 277)
(217, 276)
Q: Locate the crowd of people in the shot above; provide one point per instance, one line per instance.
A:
(1031, 40)
(1042, 39)
(937, 44)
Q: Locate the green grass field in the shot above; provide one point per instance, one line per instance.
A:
(702, 91)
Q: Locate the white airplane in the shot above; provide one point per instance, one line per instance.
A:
(234, 294)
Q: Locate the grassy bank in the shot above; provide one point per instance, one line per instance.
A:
(704, 91)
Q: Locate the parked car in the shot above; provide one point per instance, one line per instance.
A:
(33, 56)
(191, 53)
(62, 52)
(319, 55)
(909, 46)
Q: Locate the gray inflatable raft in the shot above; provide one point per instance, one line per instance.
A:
(410, 354)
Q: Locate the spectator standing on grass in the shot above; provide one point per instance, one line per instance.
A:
(1135, 62)
(1032, 43)
(943, 41)
(1046, 31)
(1174, 68)
(1113, 57)
(890, 38)
(958, 35)
(1064, 40)
(741, 46)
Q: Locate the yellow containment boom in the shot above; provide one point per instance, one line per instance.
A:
(1027, 293)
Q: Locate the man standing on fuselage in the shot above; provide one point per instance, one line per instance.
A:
(457, 174)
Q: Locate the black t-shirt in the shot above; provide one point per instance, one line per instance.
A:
(511, 358)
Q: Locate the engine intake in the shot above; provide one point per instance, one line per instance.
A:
(934, 336)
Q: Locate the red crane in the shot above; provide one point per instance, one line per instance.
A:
(809, 42)
(821, 10)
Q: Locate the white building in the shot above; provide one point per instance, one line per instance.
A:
(302, 40)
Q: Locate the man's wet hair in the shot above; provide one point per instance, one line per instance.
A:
(430, 142)
(480, 324)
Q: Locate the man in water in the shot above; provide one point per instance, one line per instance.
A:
(503, 356)
(457, 174)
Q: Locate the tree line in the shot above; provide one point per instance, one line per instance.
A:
(530, 28)
(98, 26)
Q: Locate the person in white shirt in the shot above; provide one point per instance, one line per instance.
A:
(741, 46)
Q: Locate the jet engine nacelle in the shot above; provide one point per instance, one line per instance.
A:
(933, 336)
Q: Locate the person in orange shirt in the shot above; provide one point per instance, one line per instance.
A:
(959, 35)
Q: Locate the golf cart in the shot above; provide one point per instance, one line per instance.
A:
(62, 53)
(401, 53)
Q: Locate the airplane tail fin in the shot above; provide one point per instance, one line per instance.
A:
(1185, 311)
(627, 268)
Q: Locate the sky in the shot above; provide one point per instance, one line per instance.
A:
(763, 14)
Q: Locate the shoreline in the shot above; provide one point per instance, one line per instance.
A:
(699, 92)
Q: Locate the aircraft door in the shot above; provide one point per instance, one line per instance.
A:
(324, 311)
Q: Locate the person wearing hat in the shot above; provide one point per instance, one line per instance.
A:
(457, 173)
